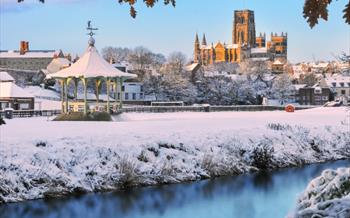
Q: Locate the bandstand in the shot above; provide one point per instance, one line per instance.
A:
(91, 67)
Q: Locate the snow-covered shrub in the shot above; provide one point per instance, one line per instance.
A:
(41, 144)
(326, 196)
(143, 156)
(2, 121)
(127, 169)
(155, 151)
(278, 126)
(262, 156)
(208, 164)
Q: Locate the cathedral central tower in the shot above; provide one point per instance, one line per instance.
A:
(244, 28)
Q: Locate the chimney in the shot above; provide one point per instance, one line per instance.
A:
(22, 47)
(27, 47)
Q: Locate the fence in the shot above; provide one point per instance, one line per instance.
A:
(32, 113)
(163, 109)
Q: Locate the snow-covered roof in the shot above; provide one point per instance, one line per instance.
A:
(229, 46)
(206, 47)
(11, 90)
(299, 86)
(338, 81)
(191, 67)
(5, 77)
(58, 64)
(232, 46)
(28, 54)
(321, 65)
(91, 65)
(258, 50)
(260, 59)
(277, 62)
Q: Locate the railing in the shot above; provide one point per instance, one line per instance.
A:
(32, 113)
(163, 109)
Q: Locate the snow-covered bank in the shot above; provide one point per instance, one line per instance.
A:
(326, 196)
(41, 158)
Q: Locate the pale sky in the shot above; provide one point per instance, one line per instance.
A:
(60, 24)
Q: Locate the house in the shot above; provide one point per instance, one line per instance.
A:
(277, 67)
(318, 94)
(25, 59)
(12, 95)
(131, 90)
(340, 85)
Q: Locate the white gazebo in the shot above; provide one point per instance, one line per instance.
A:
(90, 66)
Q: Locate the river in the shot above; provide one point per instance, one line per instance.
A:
(258, 195)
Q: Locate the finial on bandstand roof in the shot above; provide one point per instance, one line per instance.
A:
(91, 33)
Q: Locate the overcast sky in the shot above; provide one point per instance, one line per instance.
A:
(60, 24)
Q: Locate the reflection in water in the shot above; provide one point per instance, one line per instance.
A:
(256, 195)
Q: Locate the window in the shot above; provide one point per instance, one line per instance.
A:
(141, 88)
(141, 95)
(318, 91)
(343, 91)
(118, 95)
(123, 88)
(126, 96)
(334, 84)
(342, 84)
(24, 106)
(133, 96)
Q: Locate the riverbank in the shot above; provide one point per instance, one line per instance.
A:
(41, 158)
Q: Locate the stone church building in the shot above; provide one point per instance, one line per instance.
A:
(245, 44)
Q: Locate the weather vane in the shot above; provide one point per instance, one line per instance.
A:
(91, 29)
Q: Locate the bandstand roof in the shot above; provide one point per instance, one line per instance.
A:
(91, 65)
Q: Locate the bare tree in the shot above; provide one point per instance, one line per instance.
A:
(140, 58)
(176, 62)
(283, 87)
(115, 54)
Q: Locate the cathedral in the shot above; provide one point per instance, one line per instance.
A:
(245, 44)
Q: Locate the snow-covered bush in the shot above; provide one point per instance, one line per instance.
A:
(326, 196)
(262, 156)
(2, 121)
(128, 171)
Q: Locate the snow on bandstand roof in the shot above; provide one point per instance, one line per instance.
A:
(5, 77)
(91, 65)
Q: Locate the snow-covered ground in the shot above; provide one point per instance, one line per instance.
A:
(41, 158)
(326, 196)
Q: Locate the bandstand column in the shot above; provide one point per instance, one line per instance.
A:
(85, 95)
(115, 91)
(108, 89)
(97, 85)
(76, 83)
(62, 94)
(121, 93)
(67, 100)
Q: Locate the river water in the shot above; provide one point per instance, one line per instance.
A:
(262, 195)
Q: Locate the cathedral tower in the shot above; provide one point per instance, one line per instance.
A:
(244, 28)
(197, 50)
(204, 40)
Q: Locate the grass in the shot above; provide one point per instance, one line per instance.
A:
(79, 116)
